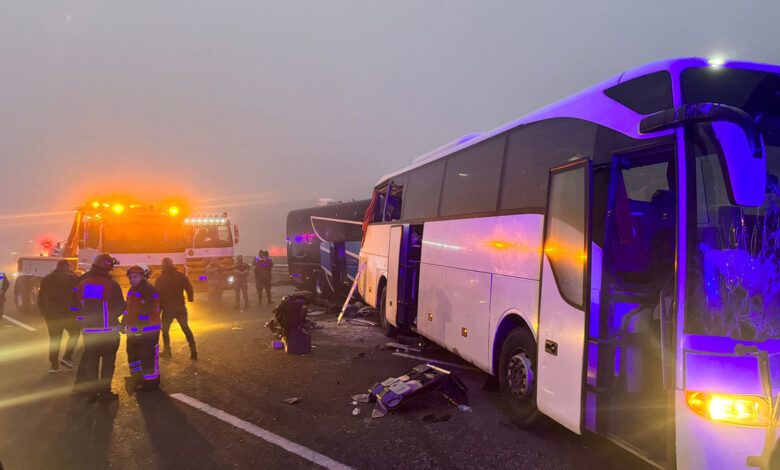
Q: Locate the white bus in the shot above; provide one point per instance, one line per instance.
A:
(614, 259)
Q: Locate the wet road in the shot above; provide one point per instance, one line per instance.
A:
(244, 382)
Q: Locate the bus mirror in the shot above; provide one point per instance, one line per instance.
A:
(746, 174)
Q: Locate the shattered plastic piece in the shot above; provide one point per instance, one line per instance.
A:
(465, 408)
(361, 397)
(377, 413)
(353, 402)
(356, 411)
(292, 400)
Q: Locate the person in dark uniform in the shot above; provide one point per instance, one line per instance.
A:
(263, 268)
(142, 325)
(241, 279)
(4, 285)
(101, 303)
(172, 285)
(57, 302)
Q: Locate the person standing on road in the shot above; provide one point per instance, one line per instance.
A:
(100, 304)
(241, 278)
(142, 325)
(4, 284)
(172, 285)
(57, 301)
(216, 281)
(263, 268)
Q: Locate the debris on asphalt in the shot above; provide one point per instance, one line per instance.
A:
(394, 392)
(353, 403)
(361, 397)
(375, 413)
(292, 400)
(360, 321)
(398, 346)
(356, 412)
(315, 313)
(465, 408)
(277, 344)
(359, 355)
(434, 361)
(288, 324)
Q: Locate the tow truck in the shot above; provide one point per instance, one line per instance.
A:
(132, 232)
(210, 240)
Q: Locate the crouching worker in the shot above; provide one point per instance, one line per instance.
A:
(142, 325)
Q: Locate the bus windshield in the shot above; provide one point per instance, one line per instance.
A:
(733, 283)
(139, 235)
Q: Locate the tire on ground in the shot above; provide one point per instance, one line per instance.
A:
(321, 285)
(518, 390)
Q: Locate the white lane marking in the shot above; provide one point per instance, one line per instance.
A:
(268, 436)
(17, 322)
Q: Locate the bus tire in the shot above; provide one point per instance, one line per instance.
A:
(517, 376)
(321, 286)
(388, 329)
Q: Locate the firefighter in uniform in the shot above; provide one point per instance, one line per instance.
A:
(142, 325)
(263, 268)
(4, 284)
(100, 304)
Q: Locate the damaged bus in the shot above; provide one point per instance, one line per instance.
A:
(613, 259)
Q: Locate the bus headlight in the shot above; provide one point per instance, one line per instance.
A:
(745, 410)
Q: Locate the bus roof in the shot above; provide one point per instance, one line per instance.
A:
(592, 105)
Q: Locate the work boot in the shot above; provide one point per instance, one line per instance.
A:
(166, 353)
(108, 397)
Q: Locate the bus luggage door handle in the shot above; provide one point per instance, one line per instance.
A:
(551, 347)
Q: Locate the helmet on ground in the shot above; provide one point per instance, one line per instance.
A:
(141, 269)
(105, 261)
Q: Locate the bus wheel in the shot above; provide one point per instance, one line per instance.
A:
(388, 329)
(321, 286)
(517, 376)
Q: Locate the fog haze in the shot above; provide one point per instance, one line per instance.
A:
(261, 107)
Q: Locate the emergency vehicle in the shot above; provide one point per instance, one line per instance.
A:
(209, 239)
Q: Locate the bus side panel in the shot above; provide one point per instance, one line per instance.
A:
(466, 324)
(512, 295)
(433, 304)
(374, 250)
(509, 245)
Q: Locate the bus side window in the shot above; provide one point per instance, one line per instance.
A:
(394, 200)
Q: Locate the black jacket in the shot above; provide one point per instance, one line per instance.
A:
(4, 285)
(58, 295)
(171, 285)
(263, 268)
(96, 287)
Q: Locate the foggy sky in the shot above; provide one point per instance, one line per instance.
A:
(261, 107)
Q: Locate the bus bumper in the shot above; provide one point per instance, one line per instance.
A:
(705, 444)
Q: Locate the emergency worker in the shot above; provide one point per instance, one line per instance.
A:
(215, 281)
(142, 325)
(241, 278)
(263, 267)
(4, 284)
(100, 304)
(57, 301)
(172, 285)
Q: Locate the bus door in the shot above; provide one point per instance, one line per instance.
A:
(634, 224)
(564, 297)
(393, 265)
